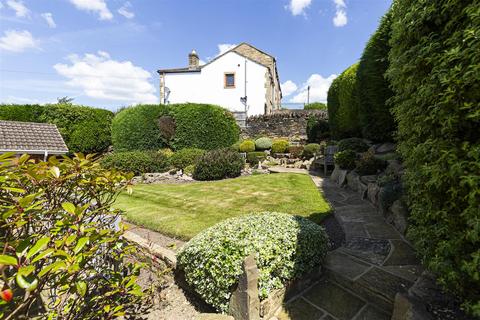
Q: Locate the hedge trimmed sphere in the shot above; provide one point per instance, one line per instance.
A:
(280, 146)
(247, 146)
(285, 247)
(263, 143)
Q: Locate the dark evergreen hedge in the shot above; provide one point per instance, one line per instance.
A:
(343, 104)
(435, 73)
(202, 126)
(137, 128)
(84, 129)
(376, 119)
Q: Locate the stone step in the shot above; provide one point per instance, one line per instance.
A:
(371, 282)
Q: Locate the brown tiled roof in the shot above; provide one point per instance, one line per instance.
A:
(30, 137)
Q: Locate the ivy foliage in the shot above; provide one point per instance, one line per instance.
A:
(343, 104)
(434, 72)
(376, 119)
(285, 247)
(84, 129)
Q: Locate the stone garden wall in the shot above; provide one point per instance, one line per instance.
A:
(289, 124)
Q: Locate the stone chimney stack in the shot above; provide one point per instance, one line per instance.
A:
(193, 60)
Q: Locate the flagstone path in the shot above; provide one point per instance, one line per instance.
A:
(362, 276)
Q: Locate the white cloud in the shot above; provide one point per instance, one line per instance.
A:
(288, 87)
(340, 18)
(318, 89)
(97, 6)
(125, 10)
(17, 41)
(298, 7)
(49, 19)
(101, 77)
(224, 47)
(20, 9)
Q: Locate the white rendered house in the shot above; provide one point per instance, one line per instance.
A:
(241, 79)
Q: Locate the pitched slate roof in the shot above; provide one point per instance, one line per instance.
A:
(30, 137)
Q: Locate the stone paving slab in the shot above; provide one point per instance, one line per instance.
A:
(402, 254)
(335, 300)
(346, 265)
(370, 313)
(300, 309)
(373, 251)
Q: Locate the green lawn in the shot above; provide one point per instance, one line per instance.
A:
(183, 210)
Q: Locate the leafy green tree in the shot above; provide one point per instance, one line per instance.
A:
(315, 106)
(434, 72)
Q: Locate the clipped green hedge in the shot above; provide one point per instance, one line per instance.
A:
(247, 146)
(317, 129)
(343, 104)
(84, 129)
(434, 73)
(185, 157)
(218, 164)
(136, 128)
(178, 126)
(375, 116)
(203, 126)
(315, 106)
(280, 146)
(138, 162)
(255, 156)
(263, 143)
(310, 150)
(285, 248)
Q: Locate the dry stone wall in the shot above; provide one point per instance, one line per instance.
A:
(289, 124)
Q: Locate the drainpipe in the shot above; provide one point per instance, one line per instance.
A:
(45, 155)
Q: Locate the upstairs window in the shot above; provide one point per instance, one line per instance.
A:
(229, 80)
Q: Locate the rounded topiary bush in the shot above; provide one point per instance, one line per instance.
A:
(310, 150)
(218, 164)
(136, 128)
(255, 157)
(355, 144)
(279, 146)
(263, 143)
(247, 146)
(285, 247)
(185, 157)
(203, 126)
(346, 159)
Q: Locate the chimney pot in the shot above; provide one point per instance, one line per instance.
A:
(193, 60)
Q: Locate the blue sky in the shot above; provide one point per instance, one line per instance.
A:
(104, 53)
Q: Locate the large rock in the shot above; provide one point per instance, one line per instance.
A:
(353, 180)
(372, 193)
(339, 175)
(394, 167)
(386, 147)
(406, 308)
(399, 216)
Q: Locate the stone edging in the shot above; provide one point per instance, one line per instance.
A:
(163, 253)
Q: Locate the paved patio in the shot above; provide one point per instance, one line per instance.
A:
(363, 276)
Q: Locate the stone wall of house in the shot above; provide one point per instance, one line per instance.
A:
(289, 124)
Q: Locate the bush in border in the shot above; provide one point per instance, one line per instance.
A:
(212, 260)
(218, 164)
(185, 157)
